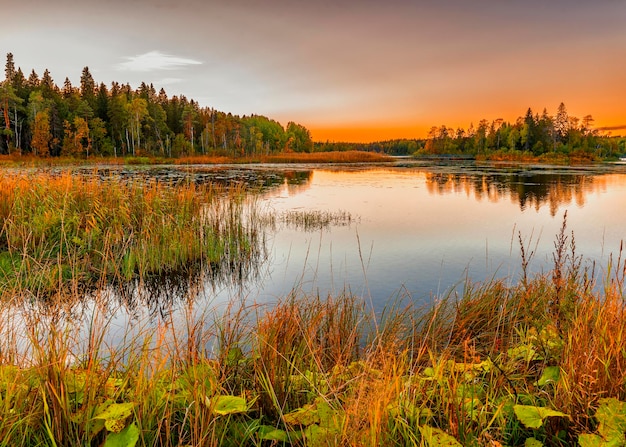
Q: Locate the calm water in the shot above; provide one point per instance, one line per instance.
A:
(420, 231)
(416, 232)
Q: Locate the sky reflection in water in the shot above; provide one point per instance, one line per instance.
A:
(421, 231)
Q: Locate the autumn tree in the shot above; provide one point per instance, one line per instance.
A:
(77, 138)
(40, 142)
(298, 138)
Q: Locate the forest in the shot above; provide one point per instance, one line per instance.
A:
(530, 136)
(41, 119)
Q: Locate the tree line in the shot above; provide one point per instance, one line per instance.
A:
(532, 135)
(43, 119)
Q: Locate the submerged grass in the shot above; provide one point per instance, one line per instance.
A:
(537, 362)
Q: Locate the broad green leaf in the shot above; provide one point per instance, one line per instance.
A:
(125, 438)
(329, 417)
(429, 372)
(533, 417)
(589, 440)
(224, 405)
(435, 437)
(523, 352)
(114, 415)
(550, 374)
(532, 442)
(611, 416)
(269, 433)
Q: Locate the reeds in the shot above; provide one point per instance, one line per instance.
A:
(69, 232)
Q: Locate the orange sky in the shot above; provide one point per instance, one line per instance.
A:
(346, 69)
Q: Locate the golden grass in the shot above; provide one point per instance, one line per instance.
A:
(68, 230)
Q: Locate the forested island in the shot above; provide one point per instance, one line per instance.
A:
(41, 119)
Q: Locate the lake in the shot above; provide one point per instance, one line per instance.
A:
(419, 230)
(409, 230)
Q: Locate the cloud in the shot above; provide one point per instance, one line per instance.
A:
(622, 127)
(169, 81)
(155, 60)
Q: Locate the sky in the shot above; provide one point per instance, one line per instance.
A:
(348, 70)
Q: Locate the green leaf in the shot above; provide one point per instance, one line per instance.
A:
(224, 405)
(302, 416)
(589, 440)
(523, 352)
(611, 416)
(532, 442)
(550, 374)
(533, 417)
(115, 415)
(269, 433)
(435, 437)
(126, 438)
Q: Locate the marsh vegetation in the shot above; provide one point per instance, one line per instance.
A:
(531, 360)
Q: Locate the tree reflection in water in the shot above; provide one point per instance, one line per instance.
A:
(531, 187)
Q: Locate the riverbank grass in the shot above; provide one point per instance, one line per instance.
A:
(68, 231)
(533, 362)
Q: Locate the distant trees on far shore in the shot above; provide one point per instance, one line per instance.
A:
(531, 135)
(40, 118)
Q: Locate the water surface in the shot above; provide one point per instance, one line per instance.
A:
(420, 231)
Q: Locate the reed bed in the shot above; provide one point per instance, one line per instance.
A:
(539, 361)
(326, 157)
(64, 232)
(306, 220)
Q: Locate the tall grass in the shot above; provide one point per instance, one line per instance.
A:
(539, 361)
(73, 231)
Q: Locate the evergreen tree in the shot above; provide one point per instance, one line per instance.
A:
(9, 69)
(561, 123)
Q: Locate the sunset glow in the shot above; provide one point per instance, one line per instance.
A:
(348, 71)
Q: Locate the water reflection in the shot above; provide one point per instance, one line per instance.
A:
(530, 188)
(397, 214)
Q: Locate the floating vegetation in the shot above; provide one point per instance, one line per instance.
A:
(305, 220)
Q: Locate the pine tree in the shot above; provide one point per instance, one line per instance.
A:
(9, 69)
(561, 123)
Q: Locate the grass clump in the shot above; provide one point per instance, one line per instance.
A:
(75, 232)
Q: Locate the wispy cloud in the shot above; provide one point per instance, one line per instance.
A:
(169, 81)
(155, 60)
(622, 127)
